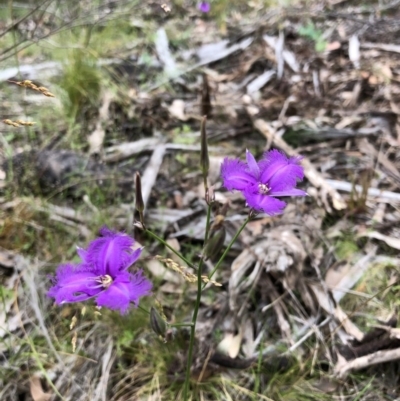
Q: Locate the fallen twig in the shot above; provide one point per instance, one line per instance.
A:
(96, 138)
(343, 367)
(151, 172)
(372, 192)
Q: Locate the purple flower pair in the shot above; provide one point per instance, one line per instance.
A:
(103, 274)
(274, 176)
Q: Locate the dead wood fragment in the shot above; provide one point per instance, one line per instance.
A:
(384, 196)
(326, 303)
(343, 368)
(163, 52)
(340, 280)
(124, 150)
(381, 46)
(256, 84)
(150, 174)
(371, 151)
(280, 310)
(108, 358)
(391, 241)
(96, 138)
(282, 54)
(212, 52)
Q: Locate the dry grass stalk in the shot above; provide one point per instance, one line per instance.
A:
(29, 84)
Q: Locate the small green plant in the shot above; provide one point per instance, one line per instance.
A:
(81, 82)
(310, 31)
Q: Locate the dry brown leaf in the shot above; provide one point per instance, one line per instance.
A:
(354, 51)
(256, 227)
(230, 345)
(249, 345)
(177, 110)
(36, 390)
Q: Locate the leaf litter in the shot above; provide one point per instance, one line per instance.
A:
(291, 291)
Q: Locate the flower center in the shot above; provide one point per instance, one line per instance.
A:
(106, 280)
(263, 189)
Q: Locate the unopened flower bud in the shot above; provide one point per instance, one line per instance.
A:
(157, 323)
(204, 159)
(139, 204)
(215, 243)
(210, 195)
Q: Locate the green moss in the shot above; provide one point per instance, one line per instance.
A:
(345, 249)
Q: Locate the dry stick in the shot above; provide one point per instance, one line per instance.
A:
(310, 172)
(128, 149)
(96, 138)
(372, 192)
(367, 148)
(108, 359)
(280, 310)
(150, 175)
(342, 369)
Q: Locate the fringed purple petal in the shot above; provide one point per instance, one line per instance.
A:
(235, 175)
(82, 253)
(273, 161)
(72, 284)
(106, 232)
(253, 167)
(265, 203)
(279, 172)
(111, 253)
(116, 297)
(140, 286)
(125, 289)
(132, 258)
(285, 178)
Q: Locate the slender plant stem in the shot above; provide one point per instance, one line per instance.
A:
(193, 330)
(227, 250)
(143, 309)
(196, 310)
(180, 256)
(181, 324)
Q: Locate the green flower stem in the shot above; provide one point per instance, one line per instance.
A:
(196, 309)
(161, 241)
(193, 330)
(143, 309)
(227, 250)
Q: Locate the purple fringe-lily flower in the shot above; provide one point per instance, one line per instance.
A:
(274, 176)
(103, 274)
(204, 6)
